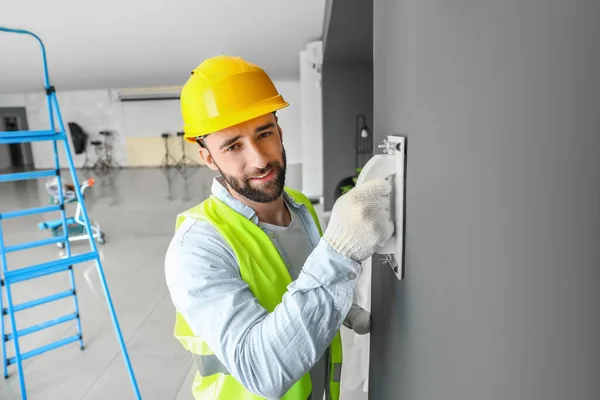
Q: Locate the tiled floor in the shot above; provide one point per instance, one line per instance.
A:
(137, 209)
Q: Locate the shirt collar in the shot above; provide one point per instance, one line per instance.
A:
(219, 190)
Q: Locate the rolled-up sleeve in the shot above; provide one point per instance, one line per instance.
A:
(266, 352)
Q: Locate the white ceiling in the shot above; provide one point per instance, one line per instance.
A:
(145, 43)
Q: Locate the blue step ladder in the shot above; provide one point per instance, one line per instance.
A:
(9, 277)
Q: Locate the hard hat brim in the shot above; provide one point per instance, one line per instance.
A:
(192, 132)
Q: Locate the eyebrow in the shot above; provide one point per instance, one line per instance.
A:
(229, 142)
(264, 127)
(261, 128)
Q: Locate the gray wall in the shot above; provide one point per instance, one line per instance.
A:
(348, 32)
(347, 84)
(499, 101)
(5, 161)
(347, 92)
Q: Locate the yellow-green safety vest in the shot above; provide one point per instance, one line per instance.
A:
(265, 272)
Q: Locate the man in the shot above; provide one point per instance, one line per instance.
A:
(260, 295)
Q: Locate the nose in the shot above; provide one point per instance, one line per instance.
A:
(256, 157)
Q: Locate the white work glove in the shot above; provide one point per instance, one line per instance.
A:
(358, 319)
(360, 220)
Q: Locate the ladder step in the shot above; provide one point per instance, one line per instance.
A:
(43, 325)
(38, 243)
(44, 349)
(52, 267)
(29, 211)
(11, 134)
(40, 301)
(29, 136)
(21, 176)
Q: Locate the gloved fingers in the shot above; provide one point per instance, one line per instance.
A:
(361, 219)
(382, 226)
(374, 188)
(388, 230)
(383, 202)
(376, 205)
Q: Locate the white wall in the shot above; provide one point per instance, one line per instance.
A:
(137, 125)
(290, 120)
(92, 109)
(150, 118)
(12, 100)
(311, 127)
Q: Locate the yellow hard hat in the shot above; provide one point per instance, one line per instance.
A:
(224, 91)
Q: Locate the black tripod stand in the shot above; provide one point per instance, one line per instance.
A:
(185, 161)
(168, 160)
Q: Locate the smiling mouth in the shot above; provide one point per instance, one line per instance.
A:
(266, 174)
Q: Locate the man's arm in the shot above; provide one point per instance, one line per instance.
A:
(266, 352)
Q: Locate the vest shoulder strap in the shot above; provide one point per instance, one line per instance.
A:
(301, 198)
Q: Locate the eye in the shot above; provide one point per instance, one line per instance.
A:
(264, 135)
(233, 147)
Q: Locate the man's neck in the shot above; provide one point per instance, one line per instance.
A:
(274, 212)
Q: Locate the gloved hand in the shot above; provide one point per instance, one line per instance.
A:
(358, 319)
(360, 220)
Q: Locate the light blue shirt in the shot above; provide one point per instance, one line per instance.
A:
(266, 352)
(296, 246)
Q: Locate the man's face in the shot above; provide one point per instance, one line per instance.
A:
(250, 157)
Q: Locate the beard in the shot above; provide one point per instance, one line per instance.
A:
(265, 193)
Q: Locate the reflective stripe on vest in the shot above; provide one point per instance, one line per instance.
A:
(253, 250)
(337, 372)
(209, 365)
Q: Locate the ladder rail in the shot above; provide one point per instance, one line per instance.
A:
(2, 284)
(52, 103)
(11, 317)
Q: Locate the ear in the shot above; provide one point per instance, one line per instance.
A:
(207, 158)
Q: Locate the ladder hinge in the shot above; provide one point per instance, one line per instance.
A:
(62, 206)
(50, 90)
(58, 172)
(5, 311)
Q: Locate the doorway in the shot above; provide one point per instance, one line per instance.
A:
(17, 156)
